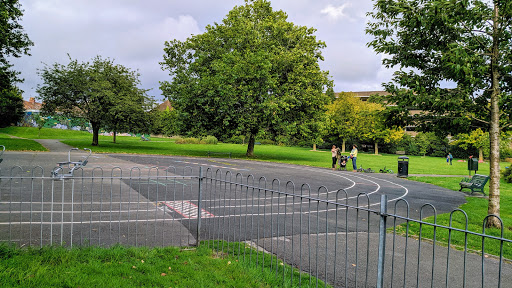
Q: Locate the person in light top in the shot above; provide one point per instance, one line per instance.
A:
(353, 156)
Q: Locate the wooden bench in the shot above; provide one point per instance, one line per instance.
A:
(475, 183)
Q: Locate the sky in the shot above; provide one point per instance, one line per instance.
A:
(133, 33)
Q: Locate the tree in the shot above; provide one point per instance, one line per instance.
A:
(13, 43)
(350, 118)
(102, 92)
(11, 107)
(372, 126)
(465, 43)
(476, 138)
(254, 71)
(343, 114)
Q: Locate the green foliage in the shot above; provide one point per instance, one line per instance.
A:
(444, 41)
(464, 43)
(102, 92)
(350, 118)
(165, 122)
(13, 43)
(212, 140)
(254, 71)
(507, 175)
(236, 139)
(11, 106)
(267, 142)
(188, 140)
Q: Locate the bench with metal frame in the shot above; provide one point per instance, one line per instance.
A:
(475, 183)
(58, 172)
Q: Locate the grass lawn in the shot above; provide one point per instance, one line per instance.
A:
(476, 210)
(273, 153)
(141, 267)
(45, 133)
(16, 144)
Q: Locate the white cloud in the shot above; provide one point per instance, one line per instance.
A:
(133, 33)
(335, 12)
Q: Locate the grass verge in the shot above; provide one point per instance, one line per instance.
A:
(16, 144)
(271, 153)
(145, 267)
(476, 210)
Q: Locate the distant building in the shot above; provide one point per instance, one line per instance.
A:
(165, 105)
(365, 95)
(31, 106)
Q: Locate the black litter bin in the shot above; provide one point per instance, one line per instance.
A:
(472, 165)
(403, 166)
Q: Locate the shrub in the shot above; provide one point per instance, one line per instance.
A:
(240, 139)
(210, 140)
(189, 140)
(267, 142)
(507, 175)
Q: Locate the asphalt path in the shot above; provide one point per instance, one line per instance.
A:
(323, 183)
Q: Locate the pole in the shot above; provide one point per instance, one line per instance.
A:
(382, 240)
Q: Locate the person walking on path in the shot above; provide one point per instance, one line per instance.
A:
(353, 156)
(334, 154)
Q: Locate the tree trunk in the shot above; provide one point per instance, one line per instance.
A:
(250, 146)
(115, 134)
(480, 154)
(494, 131)
(95, 133)
(314, 146)
(343, 146)
(376, 148)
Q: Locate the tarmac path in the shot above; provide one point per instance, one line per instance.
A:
(324, 184)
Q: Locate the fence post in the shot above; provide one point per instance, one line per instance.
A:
(382, 240)
(199, 200)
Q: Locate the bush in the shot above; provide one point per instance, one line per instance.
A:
(240, 139)
(189, 140)
(267, 142)
(507, 175)
(210, 140)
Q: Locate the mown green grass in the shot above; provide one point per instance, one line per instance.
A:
(476, 211)
(45, 133)
(16, 144)
(272, 153)
(144, 267)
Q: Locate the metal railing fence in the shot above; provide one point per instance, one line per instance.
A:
(95, 207)
(342, 239)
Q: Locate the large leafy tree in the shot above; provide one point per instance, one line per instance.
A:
(342, 116)
(460, 44)
(14, 42)
(102, 92)
(254, 71)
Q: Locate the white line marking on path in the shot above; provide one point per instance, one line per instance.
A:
(187, 209)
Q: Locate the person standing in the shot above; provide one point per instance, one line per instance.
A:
(353, 156)
(334, 154)
(450, 156)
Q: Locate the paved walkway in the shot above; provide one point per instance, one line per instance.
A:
(53, 145)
